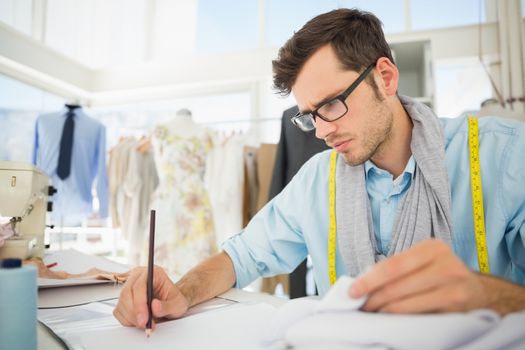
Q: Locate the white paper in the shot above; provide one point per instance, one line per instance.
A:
(55, 283)
(77, 295)
(237, 326)
(73, 261)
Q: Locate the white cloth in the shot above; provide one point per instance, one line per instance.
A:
(335, 323)
(224, 179)
(139, 185)
(6, 231)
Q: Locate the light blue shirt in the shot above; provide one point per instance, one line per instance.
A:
(73, 200)
(295, 223)
(384, 194)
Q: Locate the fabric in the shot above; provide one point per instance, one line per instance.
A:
(224, 177)
(135, 186)
(117, 169)
(184, 228)
(120, 202)
(73, 201)
(6, 230)
(424, 213)
(336, 323)
(295, 147)
(295, 223)
(66, 145)
(265, 164)
(385, 193)
(251, 185)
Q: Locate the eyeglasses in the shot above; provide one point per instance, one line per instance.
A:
(332, 110)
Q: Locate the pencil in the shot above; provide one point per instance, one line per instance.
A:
(52, 265)
(150, 270)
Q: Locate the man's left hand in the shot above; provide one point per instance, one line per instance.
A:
(426, 278)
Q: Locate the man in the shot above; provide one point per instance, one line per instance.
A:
(402, 195)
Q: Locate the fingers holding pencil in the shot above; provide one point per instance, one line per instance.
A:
(168, 302)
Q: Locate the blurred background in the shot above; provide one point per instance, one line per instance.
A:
(131, 64)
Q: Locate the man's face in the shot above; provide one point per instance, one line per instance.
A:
(359, 134)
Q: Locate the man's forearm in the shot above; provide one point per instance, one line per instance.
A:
(210, 278)
(503, 296)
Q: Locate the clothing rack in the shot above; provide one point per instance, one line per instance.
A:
(259, 120)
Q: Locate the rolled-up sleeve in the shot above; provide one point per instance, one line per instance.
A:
(273, 242)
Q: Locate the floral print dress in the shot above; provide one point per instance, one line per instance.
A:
(184, 223)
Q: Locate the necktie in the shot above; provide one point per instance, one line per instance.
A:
(66, 146)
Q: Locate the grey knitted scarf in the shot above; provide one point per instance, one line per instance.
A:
(424, 213)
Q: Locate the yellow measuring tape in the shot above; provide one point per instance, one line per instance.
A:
(332, 229)
(477, 196)
(477, 205)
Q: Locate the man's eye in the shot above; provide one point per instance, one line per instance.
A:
(329, 106)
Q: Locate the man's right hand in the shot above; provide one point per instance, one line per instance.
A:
(168, 301)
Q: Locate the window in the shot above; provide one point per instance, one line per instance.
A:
(391, 13)
(460, 86)
(227, 25)
(274, 105)
(227, 112)
(20, 104)
(446, 13)
(283, 18)
(97, 33)
(174, 29)
(17, 14)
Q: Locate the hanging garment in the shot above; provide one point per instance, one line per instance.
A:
(132, 181)
(251, 184)
(184, 228)
(117, 170)
(73, 201)
(224, 181)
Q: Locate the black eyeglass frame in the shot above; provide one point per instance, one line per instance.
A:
(342, 98)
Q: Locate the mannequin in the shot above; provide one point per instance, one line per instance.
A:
(185, 233)
(182, 124)
(73, 202)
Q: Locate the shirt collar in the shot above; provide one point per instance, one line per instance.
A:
(76, 111)
(409, 168)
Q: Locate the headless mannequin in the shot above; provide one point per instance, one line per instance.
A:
(183, 125)
(185, 233)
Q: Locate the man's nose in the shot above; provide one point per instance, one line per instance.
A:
(323, 128)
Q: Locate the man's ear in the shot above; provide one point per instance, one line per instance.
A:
(388, 76)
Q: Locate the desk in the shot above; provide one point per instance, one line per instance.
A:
(83, 294)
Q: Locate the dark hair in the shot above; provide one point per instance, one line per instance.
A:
(355, 35)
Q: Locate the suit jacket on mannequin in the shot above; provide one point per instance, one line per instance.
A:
(294, 149)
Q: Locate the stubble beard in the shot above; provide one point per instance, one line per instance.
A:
(373, 140)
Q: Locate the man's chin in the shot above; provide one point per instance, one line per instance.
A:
(352, 160)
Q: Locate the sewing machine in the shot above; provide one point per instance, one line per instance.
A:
(24, 190)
